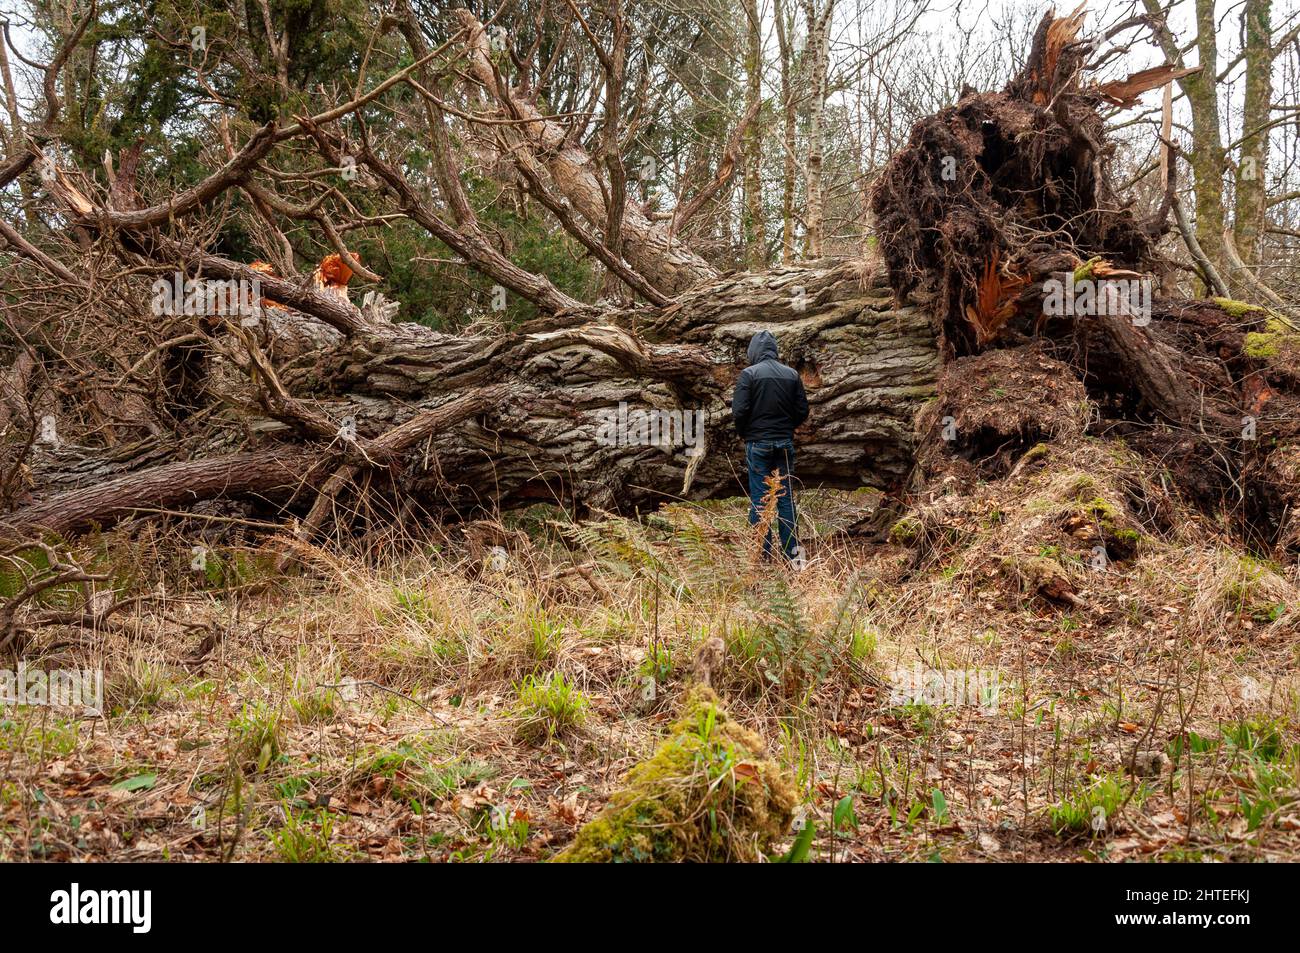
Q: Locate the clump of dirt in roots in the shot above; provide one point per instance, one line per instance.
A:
(1066, 516)
(1274, 500)
(1236, 455)
(992, 408)
(709, 793)
(1077, 525)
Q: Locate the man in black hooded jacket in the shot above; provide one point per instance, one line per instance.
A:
(768, 405)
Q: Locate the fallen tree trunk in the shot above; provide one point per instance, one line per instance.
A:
(168, 486)
(555, 407)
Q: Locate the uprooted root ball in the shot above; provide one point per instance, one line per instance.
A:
(993, 193)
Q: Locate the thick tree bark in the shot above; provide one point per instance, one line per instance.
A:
(536, 407)
(171, 485)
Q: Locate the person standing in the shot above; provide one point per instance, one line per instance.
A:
(769, 403)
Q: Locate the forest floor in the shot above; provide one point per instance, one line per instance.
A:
(456, 702)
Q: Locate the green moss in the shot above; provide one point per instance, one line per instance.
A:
(1236, 308)
(1084, 271)
(1278, 335)
(906, 531)
(1121, 539)
(1038, 451)
(1260, 345)
(709, 793)
(1101, 509)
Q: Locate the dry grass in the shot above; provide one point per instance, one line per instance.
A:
(433, 702)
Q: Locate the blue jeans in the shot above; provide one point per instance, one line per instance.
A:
(763, 458)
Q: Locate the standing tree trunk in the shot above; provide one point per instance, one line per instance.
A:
(14, 131)
(1208, 157)
(614, 63)
(754, 231)
(1251, 178)
(784, 29)
(819, 30)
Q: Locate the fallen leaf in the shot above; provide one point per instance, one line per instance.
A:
(141, 782)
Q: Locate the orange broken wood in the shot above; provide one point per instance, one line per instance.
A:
(332, 275)
(1125, 92)
(332, 272)
(264, 268)
(995, 300)
(1061, 33)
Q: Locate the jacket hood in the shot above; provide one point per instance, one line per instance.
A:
(762, 347)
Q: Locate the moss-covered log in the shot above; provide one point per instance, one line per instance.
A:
(709, 793)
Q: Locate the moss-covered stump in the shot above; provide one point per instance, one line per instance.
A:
(709, 793)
